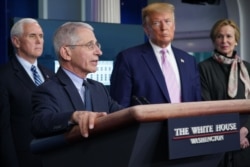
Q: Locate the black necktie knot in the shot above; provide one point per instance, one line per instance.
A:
(84, 83)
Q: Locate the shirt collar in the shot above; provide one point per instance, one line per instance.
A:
(75, 79)
(26, 65)
(157, 49)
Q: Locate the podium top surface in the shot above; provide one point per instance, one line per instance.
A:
(143, 114)
(160, 112)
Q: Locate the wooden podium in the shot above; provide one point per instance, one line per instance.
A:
(132, 137)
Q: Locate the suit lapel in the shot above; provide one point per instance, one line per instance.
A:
(70, 89)
(24, 77)
(182, 67)
(151, 61)
(22, 74)
(46, 74)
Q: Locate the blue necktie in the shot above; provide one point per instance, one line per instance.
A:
(87, 99)
(36, 76)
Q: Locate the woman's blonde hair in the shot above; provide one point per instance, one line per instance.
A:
(224, 22)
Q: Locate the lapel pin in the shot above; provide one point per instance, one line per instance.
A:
(182, 61)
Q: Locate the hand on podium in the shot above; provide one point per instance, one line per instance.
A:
(86, 120)
(244, 142)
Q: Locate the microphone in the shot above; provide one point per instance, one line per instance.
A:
(144, 100)
(139, 100)
(136, 100)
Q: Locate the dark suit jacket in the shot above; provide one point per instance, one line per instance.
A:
(56, 100)
(15, 114)
(137, 73)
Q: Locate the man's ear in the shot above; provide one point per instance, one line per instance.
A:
(65, 53)
(15, 41)
(145, 28)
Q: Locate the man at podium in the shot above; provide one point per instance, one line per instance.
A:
(70, 98)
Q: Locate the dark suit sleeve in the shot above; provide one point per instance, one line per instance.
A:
(247, 124)
(53, 104)
(113, 105)
(121, 81)
(8, 152)
(51, 111)
(101, 99)
(204, 83)
(46, 72)
(198, 83)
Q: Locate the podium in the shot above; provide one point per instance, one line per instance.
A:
(132, 137)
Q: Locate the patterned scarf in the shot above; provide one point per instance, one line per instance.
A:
(233, 76)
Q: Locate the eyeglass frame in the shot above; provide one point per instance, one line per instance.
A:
(90, 45)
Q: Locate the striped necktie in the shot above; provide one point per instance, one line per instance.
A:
(170, 79)
(36, 76)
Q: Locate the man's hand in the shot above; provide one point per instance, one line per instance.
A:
(86, 120)
(244, 143)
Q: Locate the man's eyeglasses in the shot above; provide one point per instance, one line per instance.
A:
(90, 45)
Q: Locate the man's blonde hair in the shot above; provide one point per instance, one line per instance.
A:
(159, 7)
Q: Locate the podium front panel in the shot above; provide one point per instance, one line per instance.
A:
(202, 135)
